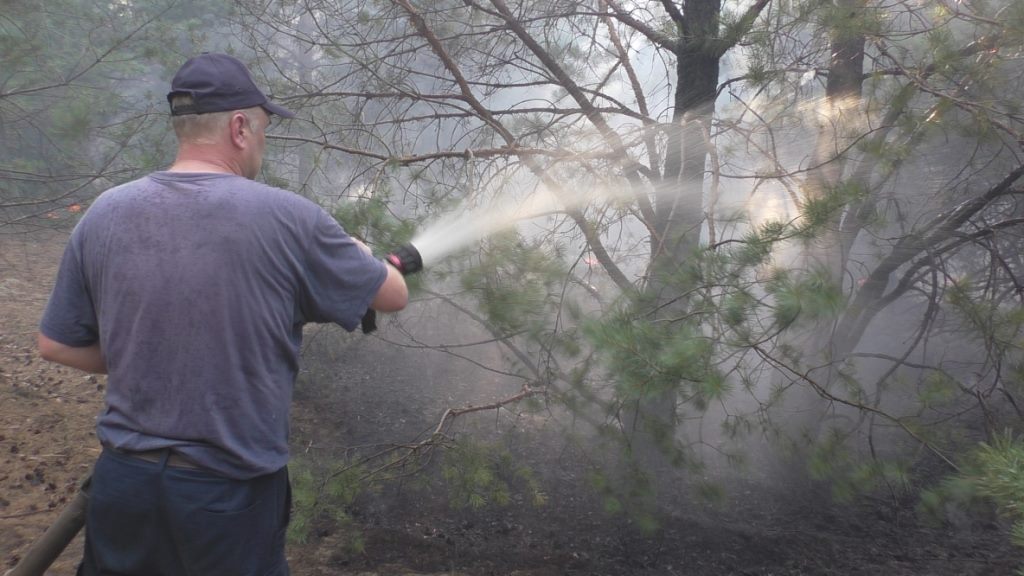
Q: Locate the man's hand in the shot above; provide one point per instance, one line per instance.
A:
(406, 259)
(86, 358)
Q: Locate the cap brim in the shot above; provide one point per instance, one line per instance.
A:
(279, 110)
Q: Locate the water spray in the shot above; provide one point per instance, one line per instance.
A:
(456, 230)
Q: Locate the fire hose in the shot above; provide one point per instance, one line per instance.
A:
(44, 551)
(48, 547)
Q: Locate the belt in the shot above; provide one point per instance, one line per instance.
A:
(174, 460)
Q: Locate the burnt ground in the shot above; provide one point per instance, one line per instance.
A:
(356, 392)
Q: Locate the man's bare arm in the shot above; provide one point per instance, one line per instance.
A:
(393, 294)
(86, 358)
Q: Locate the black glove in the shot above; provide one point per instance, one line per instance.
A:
(406, 259)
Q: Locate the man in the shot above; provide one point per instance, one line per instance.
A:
(190, 287)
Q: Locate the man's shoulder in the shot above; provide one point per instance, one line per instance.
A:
(275, 194)
(209, 181)
(250, 196)
(279, 203)
(111, 196)
(124, 187)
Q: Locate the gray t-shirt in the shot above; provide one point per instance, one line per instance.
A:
(197, 287)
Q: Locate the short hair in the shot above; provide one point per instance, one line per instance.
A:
(201, 128)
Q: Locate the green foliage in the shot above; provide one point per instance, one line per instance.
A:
(818, 213)
(844, 22)
(993, 473)
(517, 284)
(938, 389)
(828, 456)
(737, 308)
(304, 499)
(711, 492)
(372, 220)
(1013, 19)
(1001, 325)
(479, 475)
(812, 296)
(77, 109)
(649, 359)
(850, 475)
(889, 154)
(320, 496)
(757, 245)
(1001, 476)
(628, 493)
(50, 99)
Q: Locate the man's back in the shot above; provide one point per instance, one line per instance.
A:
(201, 283)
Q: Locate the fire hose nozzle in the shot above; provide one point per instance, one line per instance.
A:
(406, 259)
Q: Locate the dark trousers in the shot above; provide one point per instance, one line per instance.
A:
(150, 519)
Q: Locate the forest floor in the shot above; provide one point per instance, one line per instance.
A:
(47, 447)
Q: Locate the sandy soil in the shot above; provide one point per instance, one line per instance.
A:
(356, 390)
(47, 444)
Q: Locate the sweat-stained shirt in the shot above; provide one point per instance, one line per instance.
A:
(196, 287)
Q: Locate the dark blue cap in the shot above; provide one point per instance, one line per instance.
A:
(218, 83)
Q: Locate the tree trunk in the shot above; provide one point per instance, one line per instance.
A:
(838, 124)
(679, 214)
(837, 127)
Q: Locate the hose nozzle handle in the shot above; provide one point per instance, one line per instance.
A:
(406, 259)
(369, 321)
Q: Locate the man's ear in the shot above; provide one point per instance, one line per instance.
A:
(239, 127)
